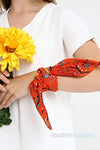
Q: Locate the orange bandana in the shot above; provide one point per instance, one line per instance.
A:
(46, 80)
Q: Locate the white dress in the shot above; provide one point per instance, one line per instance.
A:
(57, 33)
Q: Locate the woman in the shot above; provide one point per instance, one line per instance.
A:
(58, 34)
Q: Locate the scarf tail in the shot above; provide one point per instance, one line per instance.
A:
(46, 80)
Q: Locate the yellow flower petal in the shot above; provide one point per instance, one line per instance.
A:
(3, 64)
(15, 44)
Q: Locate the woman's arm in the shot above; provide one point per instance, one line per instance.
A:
(88, 83)
(19, 86)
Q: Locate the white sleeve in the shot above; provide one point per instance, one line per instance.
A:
(74, 32)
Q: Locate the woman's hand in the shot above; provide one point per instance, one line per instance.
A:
(17, 88)
(3, 77)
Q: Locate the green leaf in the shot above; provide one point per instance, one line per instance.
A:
(5, 117)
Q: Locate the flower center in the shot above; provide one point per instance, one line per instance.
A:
(10, 50)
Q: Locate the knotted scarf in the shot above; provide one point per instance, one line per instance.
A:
(46, 80)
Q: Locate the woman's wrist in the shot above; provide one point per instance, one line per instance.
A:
(29, 76)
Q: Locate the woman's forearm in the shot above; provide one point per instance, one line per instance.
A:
(88, 83)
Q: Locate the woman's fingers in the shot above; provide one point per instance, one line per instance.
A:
(5, 81)
(5, 98)
(2, 89)
(2, 94)
(10, 100)
(6, 73)
(7, 102)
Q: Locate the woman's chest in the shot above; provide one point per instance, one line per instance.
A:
(20, 20)
(49, 51)
(47, 36)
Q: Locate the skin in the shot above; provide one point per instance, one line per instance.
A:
(89, 50)
(88, 83)
(20, 14)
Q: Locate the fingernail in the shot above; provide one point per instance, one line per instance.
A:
(5, 106)
(7, 74)
(0, 107)
(3, 89)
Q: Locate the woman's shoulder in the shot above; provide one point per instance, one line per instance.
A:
(60, 11)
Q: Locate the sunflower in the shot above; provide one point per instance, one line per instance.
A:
(15, 44)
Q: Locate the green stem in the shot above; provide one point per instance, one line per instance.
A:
(5, 112)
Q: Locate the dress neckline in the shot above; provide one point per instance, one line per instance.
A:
(40, 12)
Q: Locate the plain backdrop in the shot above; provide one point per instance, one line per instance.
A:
(86, 106)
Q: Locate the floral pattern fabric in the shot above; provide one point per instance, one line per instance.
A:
(46, 80)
